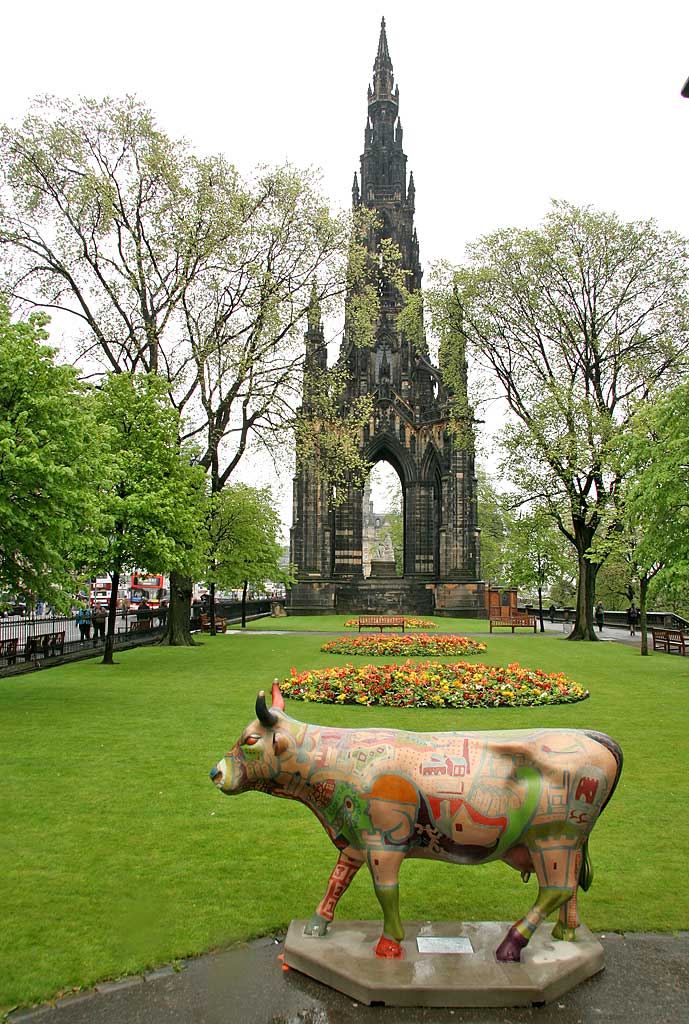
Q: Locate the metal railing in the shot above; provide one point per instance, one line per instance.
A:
(39, 638)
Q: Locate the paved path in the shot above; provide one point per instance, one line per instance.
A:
(552, 629)
(646, 981)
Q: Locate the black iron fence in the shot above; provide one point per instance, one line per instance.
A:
(26, 638)
(617, 619)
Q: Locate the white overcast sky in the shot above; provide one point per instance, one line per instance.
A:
(505, 104)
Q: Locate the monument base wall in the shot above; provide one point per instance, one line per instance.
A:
(387, 596)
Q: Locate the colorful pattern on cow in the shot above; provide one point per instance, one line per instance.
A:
(529, 798)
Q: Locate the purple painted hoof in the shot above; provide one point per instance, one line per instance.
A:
(510, 949)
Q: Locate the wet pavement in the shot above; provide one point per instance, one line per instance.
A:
(646, 981)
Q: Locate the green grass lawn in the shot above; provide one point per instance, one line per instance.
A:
(335, 623)
(119, 854)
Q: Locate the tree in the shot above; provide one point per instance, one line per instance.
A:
(535, 556)
(243, 529)
(155, 499)
(172, 264)
(108, 219)
(495, 521)
(578, 322)
(50, 466)
(653, 518)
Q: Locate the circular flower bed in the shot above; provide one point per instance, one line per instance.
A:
(411, 623)
(386, 644)
(431, 684)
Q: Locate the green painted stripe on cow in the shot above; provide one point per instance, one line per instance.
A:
(520, 818)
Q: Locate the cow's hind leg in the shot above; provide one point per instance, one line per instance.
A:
(568, 919)
(384, 868)
(348, 863)
(557, 866)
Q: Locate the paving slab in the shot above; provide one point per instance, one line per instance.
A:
(645, 981)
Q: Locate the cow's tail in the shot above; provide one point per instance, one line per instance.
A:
(586, 869)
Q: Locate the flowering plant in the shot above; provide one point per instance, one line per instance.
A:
(387, 644)
(431, 684)
(409, 623)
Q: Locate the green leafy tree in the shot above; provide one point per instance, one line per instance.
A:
(535, 556)
(653, 518)
(51, 465)
(495, 519)
(244, 546)
(155, 500)
(173, 264)
(578, 322)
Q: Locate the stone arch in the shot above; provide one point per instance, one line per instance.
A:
(386, 447)
(431, 484)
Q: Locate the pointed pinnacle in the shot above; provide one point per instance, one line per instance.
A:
(383, 55)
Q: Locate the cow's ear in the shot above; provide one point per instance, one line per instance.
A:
(280, 743)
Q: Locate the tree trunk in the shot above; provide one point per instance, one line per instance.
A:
(211, 608)
(643, 596)
(178, 632)
(246, 586)
(112, 619)
(540, 609)
(584, 628)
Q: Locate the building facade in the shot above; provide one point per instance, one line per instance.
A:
(409, 426)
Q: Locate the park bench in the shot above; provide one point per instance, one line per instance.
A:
(46, 644)
(667, 639)
(513, 621)
(381, 622)
(220, 624)
(8, 649)
(140, 626)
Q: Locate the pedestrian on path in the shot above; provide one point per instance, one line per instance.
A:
(599, 616)
(633, 618)
(84, 623)
(551, 613)
(98, 624)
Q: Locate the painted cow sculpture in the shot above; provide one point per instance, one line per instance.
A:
(527, 797)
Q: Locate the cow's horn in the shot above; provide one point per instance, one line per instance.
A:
(278, 699)
(265, 716)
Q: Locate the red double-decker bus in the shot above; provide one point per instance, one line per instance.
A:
(151, 588)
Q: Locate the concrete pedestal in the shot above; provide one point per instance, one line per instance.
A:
(344, 959)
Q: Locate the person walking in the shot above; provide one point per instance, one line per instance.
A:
(633, 618)
(599, 616)
(84, 623)
(551, 613)
(162, 613)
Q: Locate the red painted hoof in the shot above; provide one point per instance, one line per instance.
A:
(510, 949)
(388, 949)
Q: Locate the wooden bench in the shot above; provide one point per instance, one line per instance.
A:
(220, 624)
(46, 644)
(513, 621)
(140, 626)
(8, 649)
(667, 639)
(381, 622)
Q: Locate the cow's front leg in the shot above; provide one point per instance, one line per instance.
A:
(384, 868)
(348, 863)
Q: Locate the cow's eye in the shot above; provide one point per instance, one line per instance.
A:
(250, 741)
